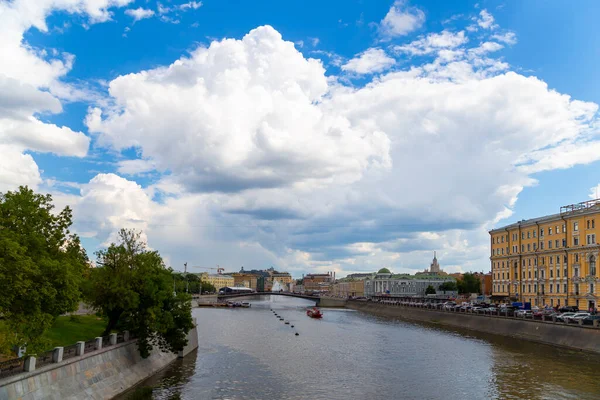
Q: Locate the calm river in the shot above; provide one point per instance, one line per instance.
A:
(251, 354)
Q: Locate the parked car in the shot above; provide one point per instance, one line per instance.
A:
(566, 309)
(449, 305)
(524, 313)
(576, 317)
(491, 310)
(589, 320)
(563, 317)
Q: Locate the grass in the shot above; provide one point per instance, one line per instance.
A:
(69, 330)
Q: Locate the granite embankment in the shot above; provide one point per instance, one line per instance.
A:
(557, 334)
(100, 374)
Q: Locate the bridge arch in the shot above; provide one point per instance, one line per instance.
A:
(224, 297)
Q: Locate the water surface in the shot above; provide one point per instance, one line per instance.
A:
(251, 354)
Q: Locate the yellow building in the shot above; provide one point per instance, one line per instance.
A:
(217, 280)
(549, 260)
(349, 287)
(242, 279)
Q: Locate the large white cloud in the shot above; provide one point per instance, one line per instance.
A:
(401, 20)
(368, 62)
(239, 114)
(322, 175)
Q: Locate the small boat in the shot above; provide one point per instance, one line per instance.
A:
(245, 304)
(314, 313)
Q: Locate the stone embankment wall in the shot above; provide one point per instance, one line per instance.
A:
(331, 302)
(205, 299)
(557, 334)
(101, 374)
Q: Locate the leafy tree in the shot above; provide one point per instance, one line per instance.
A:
(41, 267)
(448, 286)
(469, 283)
(430, 290)
(134, 289)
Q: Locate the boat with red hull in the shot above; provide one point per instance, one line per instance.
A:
(314, 313)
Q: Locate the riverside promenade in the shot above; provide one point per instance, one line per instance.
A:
(572, 336)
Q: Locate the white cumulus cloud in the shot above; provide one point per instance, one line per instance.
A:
(369, 62)
(139, 13)
(401, 20)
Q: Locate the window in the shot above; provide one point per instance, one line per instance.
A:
(589, 223)
(575, 240)
(550, 288)
(534, 246)
(591, 239)
(529, 262)
(549, 244)
(523, 288)
(575, 271)
(564, 243)
(576, 289)
(564, 229)
(542, 273)
(593, 224)
(556, 229)
(565, 259)
(592, 265)
(551, 259)
(529, 287)
(565, 272)
(576, 258)
(591, 288)
(535, 274)
(529, 274)
(534, 233)
(528, 246)
(542, 232)
(557, 260)
(523, 274)
(558, 272)
(535, 262)
(549, 231)
(556, 244)
(522, 248)
(528, 234)
(523, 262)
(541, 245)
(502, 239)
(522, 235)
(543, 260)
(551, 273)
(575, 226)
(565, 288)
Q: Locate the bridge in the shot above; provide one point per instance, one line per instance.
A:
(319, 301)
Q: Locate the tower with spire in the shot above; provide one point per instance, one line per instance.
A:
(434, 268)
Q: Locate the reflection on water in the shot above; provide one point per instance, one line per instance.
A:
(251, 354)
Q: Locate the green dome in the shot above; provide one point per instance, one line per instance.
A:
(384, 271)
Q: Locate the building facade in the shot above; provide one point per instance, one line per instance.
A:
(242, 279)
(349, 287)
(384, 282)
(217, 280)
(550, 260)
(317, 282)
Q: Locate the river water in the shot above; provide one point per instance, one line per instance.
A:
(251, 354)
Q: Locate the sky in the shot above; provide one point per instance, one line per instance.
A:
(309, 136)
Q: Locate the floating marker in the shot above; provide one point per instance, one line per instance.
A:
(287, 322)
(292, 326)
(297, 334)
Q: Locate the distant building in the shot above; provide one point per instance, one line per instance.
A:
(349, 287)
(385, 282)
(217, 280)
(486, 284)
(434, 268)
(242, 279)
(317, 282)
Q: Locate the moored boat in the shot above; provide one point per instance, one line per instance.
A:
(245, 304)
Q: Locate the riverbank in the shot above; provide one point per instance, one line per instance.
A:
(568, 336)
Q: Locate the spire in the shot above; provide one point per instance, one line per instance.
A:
(434, 255)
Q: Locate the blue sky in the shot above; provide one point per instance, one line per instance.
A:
(339, 135)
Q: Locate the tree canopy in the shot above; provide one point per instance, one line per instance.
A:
(448, 286)
(430, 290)
(134, 289)
(41, 267)
(469, 283)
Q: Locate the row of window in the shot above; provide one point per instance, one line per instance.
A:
(532, 233)
(557, 244)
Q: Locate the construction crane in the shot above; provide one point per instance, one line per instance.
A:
(219, 269)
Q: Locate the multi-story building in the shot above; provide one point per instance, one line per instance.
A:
(486, 284)
(349, 287)
(217, 280)
(242, 279)
(317, 282)
(385, 282)
(549, 260)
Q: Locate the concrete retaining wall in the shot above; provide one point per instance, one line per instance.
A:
(558, 334)
(102, 374)
(331, 302)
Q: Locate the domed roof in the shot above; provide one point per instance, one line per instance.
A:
(384, 271)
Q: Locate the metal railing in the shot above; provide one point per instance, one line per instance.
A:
(44, 359)
(69, 351)
(11, 367)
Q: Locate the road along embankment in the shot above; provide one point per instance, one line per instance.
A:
(101, 374)
(557, 334)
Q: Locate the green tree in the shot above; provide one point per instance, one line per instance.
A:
(134, 289)
(448, 286)
(430, 290)
(41, 267)
(469, 283)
